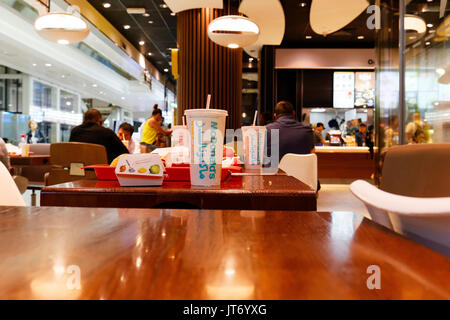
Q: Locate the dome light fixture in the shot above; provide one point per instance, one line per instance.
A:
(233, 31)
(415, 28)
(61, 27)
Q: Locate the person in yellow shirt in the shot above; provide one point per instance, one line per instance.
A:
(151, 130)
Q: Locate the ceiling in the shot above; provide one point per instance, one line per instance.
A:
(157, 28)
(160, 35)
(298, 27)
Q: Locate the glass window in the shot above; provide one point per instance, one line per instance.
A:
(11, 95)
(43, 95)
(427, 76)
(68, 102)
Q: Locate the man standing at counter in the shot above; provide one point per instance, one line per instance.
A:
(295, 137)
(318, 137)
(360, 136)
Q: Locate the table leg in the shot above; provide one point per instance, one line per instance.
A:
(33, 198)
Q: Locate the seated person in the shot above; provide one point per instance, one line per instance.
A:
(152, 128)
(91, 131)
(360, 136)
(318, 137)
(4, 158)
(295, 137)
(125, 134)
(35, 135)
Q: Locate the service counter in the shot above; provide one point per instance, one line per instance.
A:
(345, 162)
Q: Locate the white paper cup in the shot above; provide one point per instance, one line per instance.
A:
(254, 138)
(207, 129)
(180, 136)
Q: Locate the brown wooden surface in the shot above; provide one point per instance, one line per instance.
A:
(189, 254)
(206, 68)
(345, 165)
(275, 192)
(32, 160)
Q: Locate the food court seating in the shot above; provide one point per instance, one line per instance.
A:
(10, 194)
(302, 167)
(426, 220)
(420, 170)
(415, 193)
(67, 155)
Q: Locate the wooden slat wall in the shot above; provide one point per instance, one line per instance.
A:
(205, 67)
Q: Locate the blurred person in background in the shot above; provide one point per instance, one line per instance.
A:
(92, 131)
(318, 136)
(265, 118)
(4, 158)
(35, 135)
(125, 134)
(152, 128)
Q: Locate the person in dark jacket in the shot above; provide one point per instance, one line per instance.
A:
(91, 131)
(35, 135)
(295, 137)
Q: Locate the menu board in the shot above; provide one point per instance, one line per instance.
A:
(344, 89)
(364, 89)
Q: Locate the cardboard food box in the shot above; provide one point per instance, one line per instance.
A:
(140, 170)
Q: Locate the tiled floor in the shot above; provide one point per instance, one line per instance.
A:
(337, 197)
(332, 197)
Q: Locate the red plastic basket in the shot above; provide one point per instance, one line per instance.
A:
(103, 171)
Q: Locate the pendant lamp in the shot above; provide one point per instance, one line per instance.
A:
(62, 27)
(233, 31)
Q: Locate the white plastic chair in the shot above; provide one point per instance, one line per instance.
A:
(426, 220)
(302, 167)
(9, 193)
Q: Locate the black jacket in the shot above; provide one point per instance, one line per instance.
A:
(90, 132)
(38, 135)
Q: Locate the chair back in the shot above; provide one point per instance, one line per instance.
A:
(40, 148)
(420, 170)
(10, 194)
(425, 220)
(64, 155)
(302, 167)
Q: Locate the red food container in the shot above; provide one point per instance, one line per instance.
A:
(103, 171)
(182, 173)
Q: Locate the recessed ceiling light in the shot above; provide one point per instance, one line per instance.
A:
(48, 64)
(427, 43)
(106, 5)
(430, 25)
(63, 76)
(163, 5)
(308, 37)
(360, 37)
(68, 103)
(146, 14)
(166, 70)
(95, 85)
(141, 43)
(302, 4)
(126, 27)
(250, 59)
(101, 92)
(429, 0)
(150, 54)
(150, 21)
(34, 64)
(173, 14)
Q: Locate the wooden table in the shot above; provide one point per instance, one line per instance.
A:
(32, 160)
(190, 254)
(257, 192)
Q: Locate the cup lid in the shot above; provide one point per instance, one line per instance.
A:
(204, 111)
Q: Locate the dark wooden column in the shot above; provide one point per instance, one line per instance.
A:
(205, 67)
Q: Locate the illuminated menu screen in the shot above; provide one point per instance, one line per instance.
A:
(364, 89)
(344, 89)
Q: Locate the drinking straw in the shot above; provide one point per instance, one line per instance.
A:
(184, 120)
(208, 101)
(254, 118)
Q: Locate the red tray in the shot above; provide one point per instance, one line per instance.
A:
(181, 173)
(103, 171)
